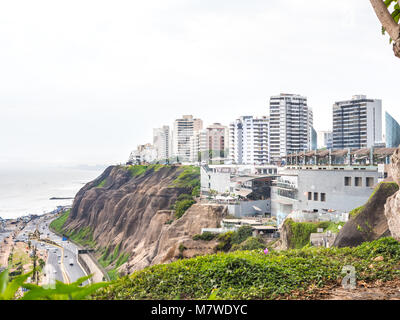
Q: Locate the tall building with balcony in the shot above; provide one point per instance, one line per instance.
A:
(198, 145)
(392, 136)
(218, 140)
(248, 140)
(357, 123)
(184, 129)
(291, 121)
(162, 142)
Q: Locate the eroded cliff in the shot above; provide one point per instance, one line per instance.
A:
(128, 212)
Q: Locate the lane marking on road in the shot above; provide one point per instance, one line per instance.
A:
(62, 267)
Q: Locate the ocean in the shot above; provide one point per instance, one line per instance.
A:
(26, 191)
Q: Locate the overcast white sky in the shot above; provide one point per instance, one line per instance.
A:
(86, 81)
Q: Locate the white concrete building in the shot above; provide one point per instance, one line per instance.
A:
(322, 189)
(290, 126)
(248, 140)
(198, 145)
(357, 123)
(184, 129)
(143, 153)
(162, 142)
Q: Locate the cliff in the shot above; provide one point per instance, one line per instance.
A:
(126, 213)
(392, 206)
(369, 222)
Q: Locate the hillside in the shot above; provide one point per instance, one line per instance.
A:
(308, 273)
(136, 216)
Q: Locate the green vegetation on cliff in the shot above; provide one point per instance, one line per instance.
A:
(254, 275)
(114, 258)
(188, 178)
(384, 187)
(83, 236)
(137, 170)
(299, 232)
(57, 224)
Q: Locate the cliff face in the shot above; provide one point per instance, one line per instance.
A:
(132, 212)
(164, 243)
(392, 206)
(369, 221)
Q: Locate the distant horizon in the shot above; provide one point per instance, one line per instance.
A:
(87, 86)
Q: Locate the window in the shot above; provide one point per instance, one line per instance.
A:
(315, 196)
(309, 195)
(347, 181)
(369, 181)
(323, 197)
(358, 181)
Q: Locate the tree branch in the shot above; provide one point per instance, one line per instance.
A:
(392, 28)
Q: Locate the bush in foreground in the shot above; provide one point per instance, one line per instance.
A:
(254, 275)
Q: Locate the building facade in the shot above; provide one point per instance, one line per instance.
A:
(324, 139)
(217, 140)
(357, 123)
(144, 153)
(322, 189)
(392, 136)
(184, 129)
(248, 140)
(290, 125)
(162, 142)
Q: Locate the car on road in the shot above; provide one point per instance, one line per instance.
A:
(71, 262)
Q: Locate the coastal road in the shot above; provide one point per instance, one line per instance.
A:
(58, 256)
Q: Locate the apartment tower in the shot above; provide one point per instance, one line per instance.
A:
(162, 142)
(290, 129)
(357, 123)
(184, 129)
(248, 140)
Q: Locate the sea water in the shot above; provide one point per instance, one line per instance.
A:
(27, 190)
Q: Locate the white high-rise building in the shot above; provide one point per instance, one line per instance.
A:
(184, 129)
(162, 142)
(357, 123)
(198, 145)
(248, 140)
(290, 130)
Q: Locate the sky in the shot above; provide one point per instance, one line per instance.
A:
(85, 82)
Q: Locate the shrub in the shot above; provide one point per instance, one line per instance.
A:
(242, 234)
(184, 196)
(254, 275)
(196, 191)
(224, 241)
(251, 243)
(182, 206)
(205, 236)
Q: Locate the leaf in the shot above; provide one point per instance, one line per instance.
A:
(213, 295)
(389, 2)
(87, 290)
(13, 286)
(3, 281)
